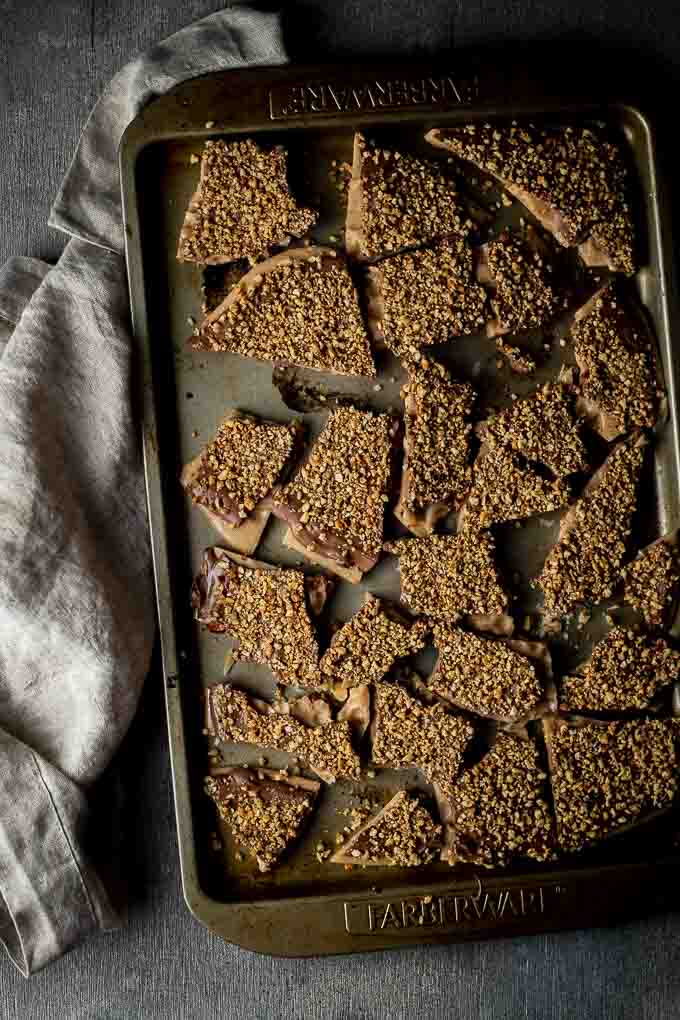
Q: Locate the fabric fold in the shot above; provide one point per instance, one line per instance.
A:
(77, 616)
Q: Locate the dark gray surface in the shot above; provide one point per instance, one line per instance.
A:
(54, 59)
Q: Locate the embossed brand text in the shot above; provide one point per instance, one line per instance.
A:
(446, 911)
(325, 97)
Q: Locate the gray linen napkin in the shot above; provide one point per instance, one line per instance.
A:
(76, 598)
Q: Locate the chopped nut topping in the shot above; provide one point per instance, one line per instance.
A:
(583, 564)
(488, 677)
(337, 499)
(449, 576)
(264, 815)
(399, 200)
(369, 644)
(607, 776)
(326, 749)
(426, 297)
(625, 671)
(401, 835)
(242, 205)
(519, 361)
(299, 307)
(617, 363)
(652, 581)
(541, 427)
(240, 465)
(264, 610)
(437, 443)
(573, 180)
(505, 489)
(524, 297)
(500, 809)
(411, 735)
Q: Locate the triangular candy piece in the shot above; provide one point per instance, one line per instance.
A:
(402, 834)
(297, 308)
(584, 563)
(505, 489)
(264, 810)
(335, 504)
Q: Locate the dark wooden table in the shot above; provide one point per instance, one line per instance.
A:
(55, 58)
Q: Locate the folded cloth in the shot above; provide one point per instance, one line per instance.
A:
(76, 598)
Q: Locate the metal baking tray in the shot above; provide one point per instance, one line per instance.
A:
(304, 907)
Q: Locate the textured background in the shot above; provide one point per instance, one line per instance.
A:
(54, 60)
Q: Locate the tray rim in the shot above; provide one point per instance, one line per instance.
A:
(228, 918)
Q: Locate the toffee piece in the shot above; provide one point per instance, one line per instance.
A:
(425, 297)
(335, 504)
(264, 609)
(265, 811)
(651, 582)
(297, 308)
(236, 471)
(304, 728)
(583, 564)
(506, 489)
(519, 271)
(616, 356)
(436, 470)
(370, 643)
(507, 681)
(573, 179)
(402, 834)
(242, 205)
(499, 808)
(627, 670)
(397, 200)
(542, 428)
(450, 576)
(408, 734)
(609, 777)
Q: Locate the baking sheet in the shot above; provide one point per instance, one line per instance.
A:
(185, 395)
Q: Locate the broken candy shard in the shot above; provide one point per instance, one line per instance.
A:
(499, 808)
(397, 200)
(609, 777)
(299, 308)
(369, 644)
(573, 179)
(402, 834)
(304, 728)
(335, 503)
(264, 810)
(242, 205)
(264, 609)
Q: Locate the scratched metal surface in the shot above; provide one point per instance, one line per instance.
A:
(163, 964)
